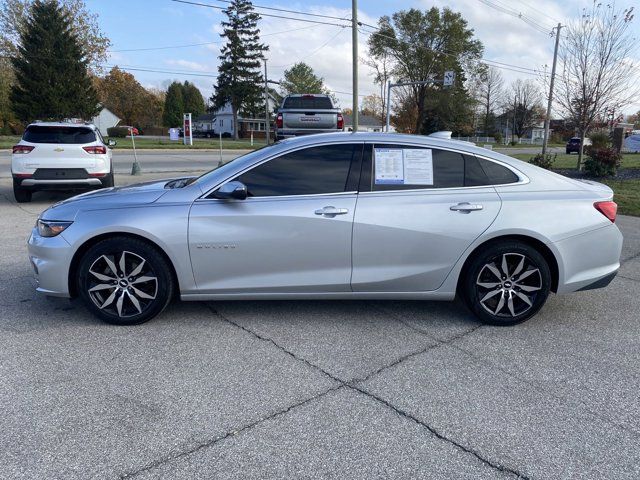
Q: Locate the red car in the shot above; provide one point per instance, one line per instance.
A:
(132, 130)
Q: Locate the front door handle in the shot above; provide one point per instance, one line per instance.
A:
(331, 211)
(466, 207)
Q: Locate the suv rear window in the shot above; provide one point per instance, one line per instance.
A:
(310, 102)
(66, 135)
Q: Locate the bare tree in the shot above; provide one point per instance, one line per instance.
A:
(490, 93)
(381, 66)
(524, 106)
(596, 73)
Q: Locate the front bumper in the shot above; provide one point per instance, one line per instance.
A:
(50, 258)
(589, 260)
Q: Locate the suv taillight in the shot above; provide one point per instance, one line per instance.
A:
(279, 121)
(609, 209)
(340, 121)
(22, 149)
(97, 149)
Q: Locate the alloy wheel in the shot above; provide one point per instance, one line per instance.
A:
(508, 284)
(122, 284)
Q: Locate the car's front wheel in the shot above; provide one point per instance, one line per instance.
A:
(506, 283)
(125, 281)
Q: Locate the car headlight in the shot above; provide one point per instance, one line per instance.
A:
(51, 228)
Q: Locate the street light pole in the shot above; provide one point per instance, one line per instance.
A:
(354, 41)
(547, 119)
(266, 103)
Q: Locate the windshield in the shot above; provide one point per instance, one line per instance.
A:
(220, 169)
(66, 135)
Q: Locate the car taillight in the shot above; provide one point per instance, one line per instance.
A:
(98, 149)
(609, 209)
(22, 148)
(279, 121)
(340, 122)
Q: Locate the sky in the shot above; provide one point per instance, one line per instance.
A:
(135, 27)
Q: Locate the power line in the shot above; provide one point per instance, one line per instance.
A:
(298, 12)
(494, 63)
(333, 37)
(153, 70)
(206, 43)
(540, 28)
(187, 2)
(539, 11)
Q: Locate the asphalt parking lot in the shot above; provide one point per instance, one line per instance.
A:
(321, 389)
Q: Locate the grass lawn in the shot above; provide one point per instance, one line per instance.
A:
(629, 160)
(7, 142)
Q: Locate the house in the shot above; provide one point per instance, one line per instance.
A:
(366, 123)
(104, 120)
(221, 121)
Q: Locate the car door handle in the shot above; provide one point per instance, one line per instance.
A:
(331, 211)
(466, 207)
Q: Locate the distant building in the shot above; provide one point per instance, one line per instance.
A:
(366, 123)
(105, 119)
(221, 121)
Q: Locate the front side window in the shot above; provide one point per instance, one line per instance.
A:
(311, 171)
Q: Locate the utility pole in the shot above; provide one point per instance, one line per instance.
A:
(266, 103)
(547, 119)
(354, 41)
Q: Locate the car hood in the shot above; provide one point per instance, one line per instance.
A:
(137, 194)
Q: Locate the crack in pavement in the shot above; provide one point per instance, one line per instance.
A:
(351, 384)
(15, 204)
(220, 438)
(628, 278)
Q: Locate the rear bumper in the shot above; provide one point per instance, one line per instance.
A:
(282, 134)
(590, 260)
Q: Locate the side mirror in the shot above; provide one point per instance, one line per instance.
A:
(232, 190)
(111, 143)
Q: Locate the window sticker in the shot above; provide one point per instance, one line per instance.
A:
(389, 166)
(408, 166)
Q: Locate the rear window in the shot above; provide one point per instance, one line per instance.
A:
(311, 103)
(574, 140)
(478, 172)
(43, 134)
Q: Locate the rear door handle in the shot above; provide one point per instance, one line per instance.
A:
(331, 211)
(466, 207)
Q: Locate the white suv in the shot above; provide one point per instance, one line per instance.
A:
(54, 156)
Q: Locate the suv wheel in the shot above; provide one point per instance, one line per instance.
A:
(125, 281)
(506, 283)
(108, 180)
(22, 195)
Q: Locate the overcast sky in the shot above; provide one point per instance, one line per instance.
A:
(327, 48)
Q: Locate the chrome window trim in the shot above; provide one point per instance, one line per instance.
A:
(522, 178)
(277, 197)
(273, 157)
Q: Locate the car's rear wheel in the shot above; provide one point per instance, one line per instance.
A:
(22, 195)
(506, 283)
(125, 281)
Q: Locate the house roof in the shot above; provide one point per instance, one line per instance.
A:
(205, 117)
(364, 120)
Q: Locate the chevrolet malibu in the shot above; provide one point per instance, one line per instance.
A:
(335, 216)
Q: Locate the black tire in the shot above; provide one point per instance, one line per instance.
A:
(132, 299)
(22, 195)
(507, 299)
(108, 181)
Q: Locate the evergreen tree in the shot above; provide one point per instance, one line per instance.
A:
(192, 100)
(239, 77)
(51, 69)
(302, 79)
(173, 106)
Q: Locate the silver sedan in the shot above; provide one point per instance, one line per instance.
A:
(335, 216)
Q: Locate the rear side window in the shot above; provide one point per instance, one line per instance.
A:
(480, 172)
(308, 102)
(65, 135)
(315, 170)
(406, 167)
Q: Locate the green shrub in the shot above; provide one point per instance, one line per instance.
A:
(602, 162)
(118, 132)
(599, 139)
(513, 143)
(544, 161)
(498, 138)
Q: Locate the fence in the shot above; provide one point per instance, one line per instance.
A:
(479, 140)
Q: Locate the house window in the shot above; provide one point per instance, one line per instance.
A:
(221, 123)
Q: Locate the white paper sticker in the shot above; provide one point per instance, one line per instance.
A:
(389, 166)
(418, 166)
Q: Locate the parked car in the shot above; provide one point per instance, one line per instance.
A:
(573, 145)
(58, 156)
(337, 216)
(130, 129)
(307, 114)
